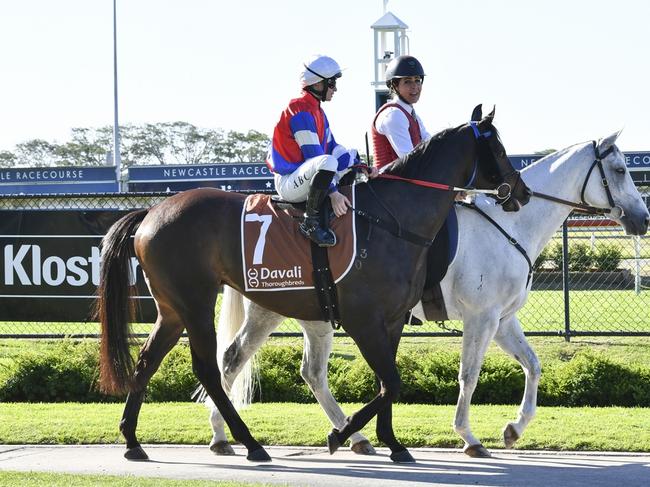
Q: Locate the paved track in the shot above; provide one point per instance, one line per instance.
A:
(315, 467)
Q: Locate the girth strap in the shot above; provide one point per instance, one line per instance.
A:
(394, 229)
(510, 239)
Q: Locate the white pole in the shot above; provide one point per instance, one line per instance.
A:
(117, 158)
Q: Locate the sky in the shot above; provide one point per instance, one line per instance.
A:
(558, 71)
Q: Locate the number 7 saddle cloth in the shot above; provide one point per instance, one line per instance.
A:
(277, 257)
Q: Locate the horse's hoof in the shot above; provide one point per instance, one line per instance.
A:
(222, 448)
(510, 435)
(477, 451)
(258, 456)
(136, 454)
(333, 442)
(402, 457)
(363, 448)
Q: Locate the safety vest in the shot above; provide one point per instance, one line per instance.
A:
(383, 152)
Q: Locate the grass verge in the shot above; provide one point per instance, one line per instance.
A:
(554, 428)
(37, 479)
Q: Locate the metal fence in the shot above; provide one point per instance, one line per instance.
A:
(591, 279)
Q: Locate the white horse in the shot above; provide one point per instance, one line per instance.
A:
(486, 284)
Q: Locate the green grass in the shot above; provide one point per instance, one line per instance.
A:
(37, 479)
(613, 311)
(597, 429)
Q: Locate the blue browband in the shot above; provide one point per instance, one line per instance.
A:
(477, 133)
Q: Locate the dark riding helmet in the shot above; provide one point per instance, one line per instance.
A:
(402, 67)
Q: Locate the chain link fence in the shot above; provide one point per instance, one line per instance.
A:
(591, 279)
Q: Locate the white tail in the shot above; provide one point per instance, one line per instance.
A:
(231, 319)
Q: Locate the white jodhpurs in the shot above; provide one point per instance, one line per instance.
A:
(294, 187)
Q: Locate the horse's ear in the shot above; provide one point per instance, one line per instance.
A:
(607, 142)
(488, 118)
(477, 113)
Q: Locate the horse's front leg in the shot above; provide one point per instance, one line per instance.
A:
(385, 431)
(478, 330)
(164, 336)
(511, 339)
(318, 345)
(375, 345)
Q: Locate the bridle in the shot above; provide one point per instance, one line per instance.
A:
(614, 210)
(502, 193)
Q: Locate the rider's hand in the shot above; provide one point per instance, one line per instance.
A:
(373, 172)
(340, 203)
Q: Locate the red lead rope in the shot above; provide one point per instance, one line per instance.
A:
(419, 182)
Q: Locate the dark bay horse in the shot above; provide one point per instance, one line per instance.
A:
(189, 245)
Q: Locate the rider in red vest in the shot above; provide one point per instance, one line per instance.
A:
(304, 156)
(396, 128)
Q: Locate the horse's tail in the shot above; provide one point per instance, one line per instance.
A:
(114, 309)
(231, 319)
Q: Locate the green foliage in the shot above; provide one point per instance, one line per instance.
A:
(591, 379)
(174, 380)
(541, 259)
(159, 143)
(555, 255)
(607, 257)
(68, 372)
(580, 257)
(280, 379)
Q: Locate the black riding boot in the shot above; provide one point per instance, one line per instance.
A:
(312, 227)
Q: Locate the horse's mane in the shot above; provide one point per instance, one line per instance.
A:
(414, 158)
(552, 156)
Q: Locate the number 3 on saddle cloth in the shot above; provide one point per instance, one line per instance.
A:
(277, 257)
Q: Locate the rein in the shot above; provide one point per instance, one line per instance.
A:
(583, 205)
(503, 193)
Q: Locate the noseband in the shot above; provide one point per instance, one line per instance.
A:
(614, 210)
(503, 192)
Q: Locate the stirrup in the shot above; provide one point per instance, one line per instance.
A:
(314, 232)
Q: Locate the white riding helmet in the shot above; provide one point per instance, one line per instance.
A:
(317, 68)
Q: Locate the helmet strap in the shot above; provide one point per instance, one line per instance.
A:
(319, 94)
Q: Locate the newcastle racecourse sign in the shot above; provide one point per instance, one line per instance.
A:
(248, 177)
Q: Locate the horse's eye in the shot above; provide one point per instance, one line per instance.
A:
(620, 170)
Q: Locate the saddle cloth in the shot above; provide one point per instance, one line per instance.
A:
(439, 256)
(277, 257)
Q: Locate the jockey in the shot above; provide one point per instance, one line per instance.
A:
(306, 160)
(396, 129)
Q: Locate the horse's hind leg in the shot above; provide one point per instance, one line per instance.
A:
(199, 322)
(511, 339)
(164, 336)
(478, 331)
(256, 328)
(318, 345)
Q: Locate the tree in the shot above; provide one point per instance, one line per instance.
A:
(7, 159)
(151, 143)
